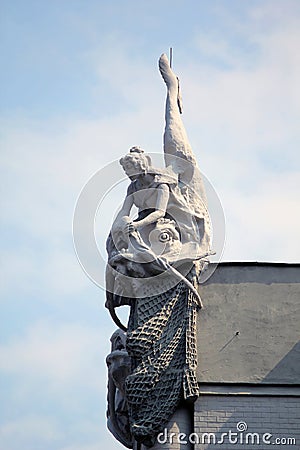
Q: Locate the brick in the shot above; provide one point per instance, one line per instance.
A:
(278, 416)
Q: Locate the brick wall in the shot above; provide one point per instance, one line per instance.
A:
(274, 419)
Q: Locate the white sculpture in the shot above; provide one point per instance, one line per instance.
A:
(154, 262)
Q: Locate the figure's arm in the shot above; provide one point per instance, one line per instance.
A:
(125, 210)
(175, 136)
(160, 209)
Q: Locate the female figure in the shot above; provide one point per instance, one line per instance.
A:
(161, 330)
(161, 333)
(157, 196)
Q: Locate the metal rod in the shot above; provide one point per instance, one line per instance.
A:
(171, 56)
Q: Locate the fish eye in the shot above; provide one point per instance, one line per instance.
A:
(164, 237)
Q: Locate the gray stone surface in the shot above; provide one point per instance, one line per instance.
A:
(248, 330)
(276, 416)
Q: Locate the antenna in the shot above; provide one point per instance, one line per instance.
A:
(171, 56)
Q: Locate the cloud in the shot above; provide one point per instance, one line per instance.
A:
(247, 137)
(105, 441)
(30, 430)
(48, 433)
(26, 271)
(264, 224)
(248, 108)
(241, 109)
(61, 355)
(57, 386)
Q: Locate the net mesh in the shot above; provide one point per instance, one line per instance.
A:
(161, 341)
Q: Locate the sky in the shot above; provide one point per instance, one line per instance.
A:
(79, 87)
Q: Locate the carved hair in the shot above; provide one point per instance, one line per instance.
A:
(136, 149)
(138, 158)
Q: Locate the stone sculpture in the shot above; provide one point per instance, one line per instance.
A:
(119, 366)
(154, 263)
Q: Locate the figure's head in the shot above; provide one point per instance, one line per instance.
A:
(135, 163)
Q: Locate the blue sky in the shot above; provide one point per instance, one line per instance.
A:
(79, 86)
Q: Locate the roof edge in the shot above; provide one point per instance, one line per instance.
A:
(257, 263)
